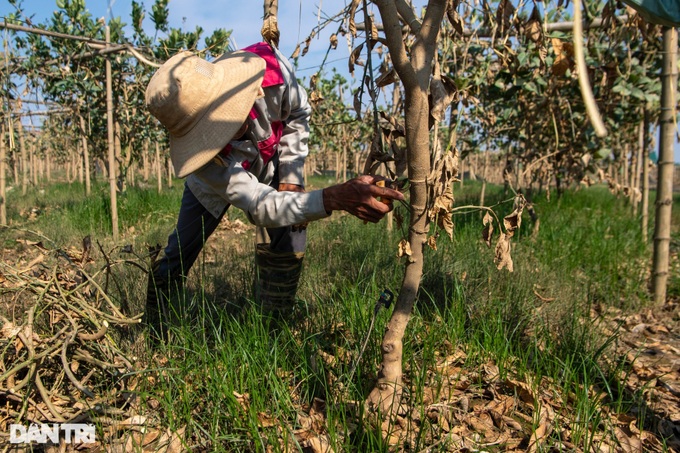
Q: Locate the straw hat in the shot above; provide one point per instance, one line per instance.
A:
(203, 104)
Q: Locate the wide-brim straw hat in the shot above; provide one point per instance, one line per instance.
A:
(203, 104)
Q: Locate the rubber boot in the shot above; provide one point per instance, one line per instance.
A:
(277, 275)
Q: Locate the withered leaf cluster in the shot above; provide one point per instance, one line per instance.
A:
(511, 223)
(440, 187)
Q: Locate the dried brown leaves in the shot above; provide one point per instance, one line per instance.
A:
(475, 409)
(511, 223)
(440, 187)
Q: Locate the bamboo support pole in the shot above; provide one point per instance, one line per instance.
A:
(3, 176)
(24, 158)
(664, 193)
(645, 177)
(112, 158)
(159, 169)
(86, 155)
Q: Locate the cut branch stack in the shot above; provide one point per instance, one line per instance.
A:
(62, 361)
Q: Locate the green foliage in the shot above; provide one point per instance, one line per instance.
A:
(63, 216)
(517, 89)
(333, 127)
(218, 42)
(70, 74)
(160, 13)
(137, 16)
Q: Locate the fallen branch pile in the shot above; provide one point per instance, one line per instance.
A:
(61, 361)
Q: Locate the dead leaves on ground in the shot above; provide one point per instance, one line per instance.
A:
(648, 344)
(476, 409)
(309, 429)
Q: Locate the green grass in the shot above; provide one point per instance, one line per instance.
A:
(61, 212)
(588, 252)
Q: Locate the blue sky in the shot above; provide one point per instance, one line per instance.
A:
(296, 20)
(243, 17)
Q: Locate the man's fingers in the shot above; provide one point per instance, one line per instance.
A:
(391, 194)
(386, 193)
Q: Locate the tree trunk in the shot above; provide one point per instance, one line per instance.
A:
(638, 168)
(15, 158)
(48, 165)
(159, 168)
(344, 161)
(71, 169)
(337, 168)
(31, 163)
(86, 156)
(112, 157)
(415, 76)
(120, 160)
(3, 175)
(473, 165)
(485, 172)
(169, 163)
(645, 177)
(664, 193)
(79, 163)
(626, 168)
(40, 167)
(24, 158)
(145, 160)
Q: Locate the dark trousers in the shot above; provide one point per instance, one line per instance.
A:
(195, 224)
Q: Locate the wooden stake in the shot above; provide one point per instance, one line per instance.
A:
(24, 158)
(3, 181)
(112, 158)
(645, 177)
(86, 155)
(664, 191)
(159, 172)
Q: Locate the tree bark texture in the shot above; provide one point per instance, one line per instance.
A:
(159, 168)
(86, 156)
(169, 163)
(34, 162)
(664, 192)
(112, 157)
(638, 169)
(145, 160)
(485, 174)
(3, 176)
(24, 157)
(120, 161)
(48, 165)
(645, 177)
(415, 75)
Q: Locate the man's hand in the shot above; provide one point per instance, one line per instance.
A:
(358, 196)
